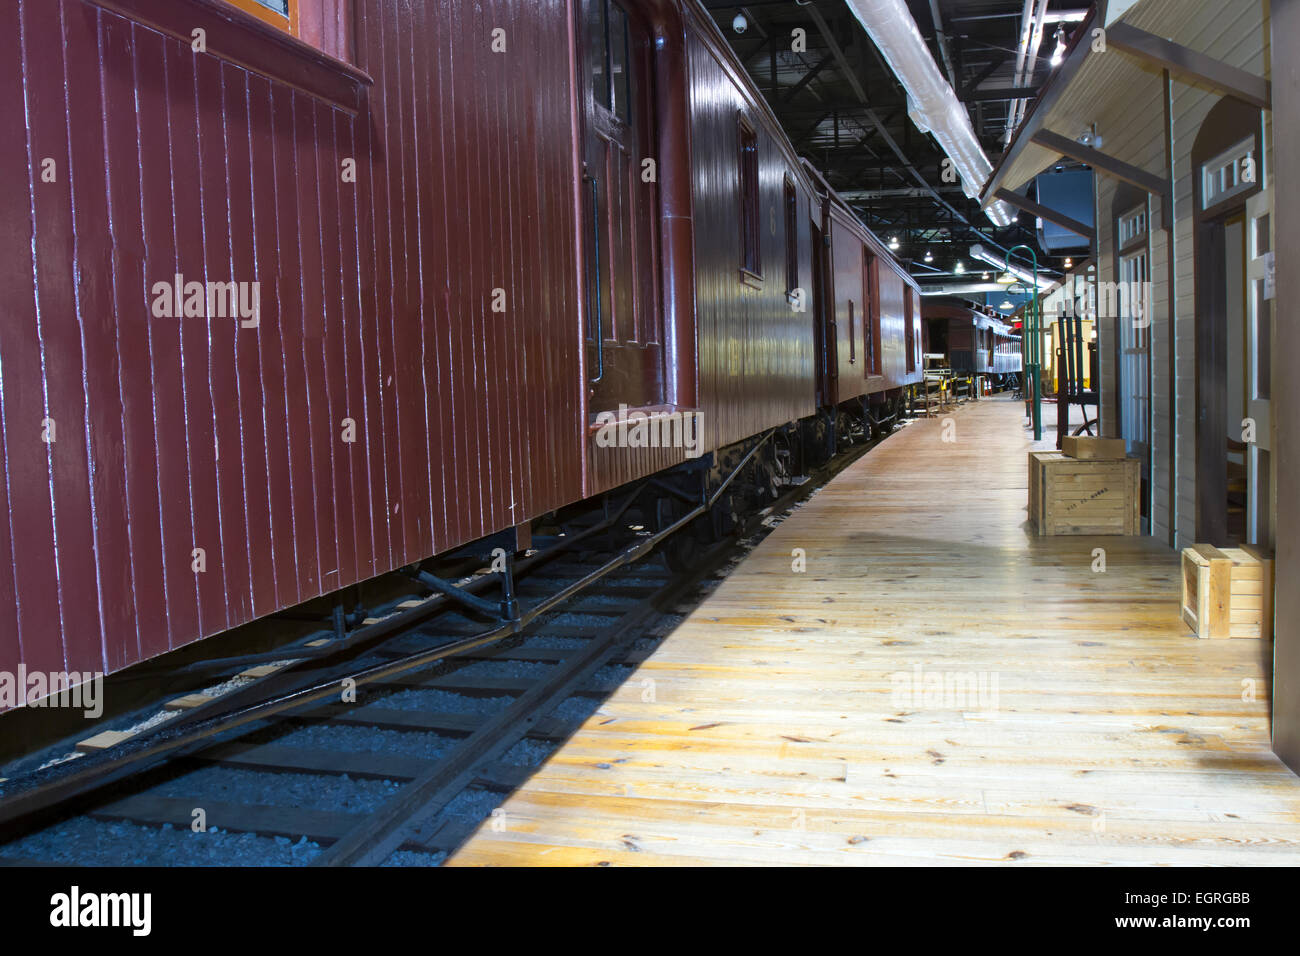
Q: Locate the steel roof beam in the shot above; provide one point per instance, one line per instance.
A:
(1001, 93)
(853, 81)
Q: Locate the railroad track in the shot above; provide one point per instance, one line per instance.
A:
(403, 767)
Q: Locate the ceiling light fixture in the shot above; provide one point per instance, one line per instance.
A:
(1059, 53)
(981, 252)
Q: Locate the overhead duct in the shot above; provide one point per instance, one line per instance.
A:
(978, 251)
(1031, 42)
(931, 102)
(960, 288)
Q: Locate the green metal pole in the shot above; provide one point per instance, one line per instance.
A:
(1034, 358)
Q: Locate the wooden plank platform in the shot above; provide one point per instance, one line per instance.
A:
(796, 717)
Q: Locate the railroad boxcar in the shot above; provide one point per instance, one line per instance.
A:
(304, 291)
(975, 339)
(870, 310)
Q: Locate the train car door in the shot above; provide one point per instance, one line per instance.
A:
(625, 360)
(824, 331)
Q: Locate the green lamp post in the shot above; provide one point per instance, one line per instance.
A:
(1033, 337)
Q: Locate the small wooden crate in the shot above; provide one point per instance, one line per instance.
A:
(1228, 592)
(1085, 446)
(1083, 496)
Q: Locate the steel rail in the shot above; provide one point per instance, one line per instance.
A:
(76, 778)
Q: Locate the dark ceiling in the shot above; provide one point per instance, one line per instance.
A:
(843, 109)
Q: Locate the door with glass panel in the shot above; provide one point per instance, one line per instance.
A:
(1135, 358)
(624, 341)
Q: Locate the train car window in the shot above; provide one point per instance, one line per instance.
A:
(749, 232)
(909, 332)
(620, 63)
(278, 13)
(609, 57)
(852, 325)
(870, 315)
(598, 51)
(791, 237)
(326, 25)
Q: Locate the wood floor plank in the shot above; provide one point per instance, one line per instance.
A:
(938, 686)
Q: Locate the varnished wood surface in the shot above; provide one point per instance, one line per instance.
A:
(766, 730)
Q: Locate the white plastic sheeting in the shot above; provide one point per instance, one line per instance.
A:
(931, 102)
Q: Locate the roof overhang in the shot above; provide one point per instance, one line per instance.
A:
(1140, 41)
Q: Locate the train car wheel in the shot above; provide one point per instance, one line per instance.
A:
(680, 548)
(848, 431)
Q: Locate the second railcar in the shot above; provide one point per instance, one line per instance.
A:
(975, 339)
(870, 309)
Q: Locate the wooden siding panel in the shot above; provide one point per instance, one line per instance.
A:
(255, 503)
(352, 456)
(131, 309)
(344, 503)
(94, 301)
(36, 637)
(375, 296)
(61, 336)
(432, 246)
(168, 411)
(222, 334)
(195, 441)
(270, 340)
(294, 340)
(372, 245)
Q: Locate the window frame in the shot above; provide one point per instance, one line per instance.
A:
(791, 206)
(909, 328)
(748, 200)
(870, 312)
(1230, 158)
(1132, 227)
(289, 23)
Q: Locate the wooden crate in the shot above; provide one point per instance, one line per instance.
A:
(1084, 446)
(1228, 592)
(1083, 496)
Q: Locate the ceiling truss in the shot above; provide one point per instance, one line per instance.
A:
(845, 111)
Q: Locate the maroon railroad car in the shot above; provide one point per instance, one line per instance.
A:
(302, 291)
(975, 339)
(872, 311)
